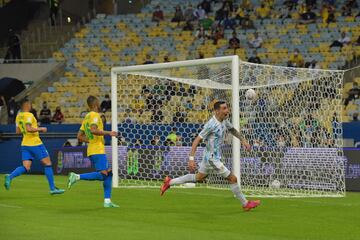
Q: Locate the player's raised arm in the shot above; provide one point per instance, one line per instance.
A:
(82, 137)
(237, 134)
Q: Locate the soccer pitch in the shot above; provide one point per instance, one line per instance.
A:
(28, 212)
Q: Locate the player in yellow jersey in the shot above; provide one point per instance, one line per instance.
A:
(32, 147)
(92, 132)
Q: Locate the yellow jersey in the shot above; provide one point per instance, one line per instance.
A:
(96, 143)
(29, 139)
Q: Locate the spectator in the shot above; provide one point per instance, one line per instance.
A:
(199, 13)
(217, 34)
(256, 42)
(327, 13)
(247, 23)
(156, 141)
(234, 42)
(178, 16)
(180, 116)
(2, 104)
(189, 13)
(58, 116)
(158, 14)
(246, 5)
(188, 26)
(105, 104)
(171, 138)
(308, 16)
(346, 11)
(157, 115)
(179, 142)
(352, 3)
(296, 59)
(200, 55)
(343, 40)
(219, 15)
(254, 58)
(206, 23)
(189, 105)
(263, 11)
(13, 108)
(54, 8)
(239, 14)
(290, 4)
(357, 42)
(45, 114)
(226, 9)
(312, 65)
(355, 117)
(311, 3)
(34, 112)
(284, 13)
(128, 118)
(354, 94)
(229, 23)
(201, 33)
(14, 48)
(206, 5)
(148, 60)
(166, 59)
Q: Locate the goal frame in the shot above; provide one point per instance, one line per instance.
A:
(235, 110)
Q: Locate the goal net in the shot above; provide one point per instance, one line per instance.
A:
(293, 125)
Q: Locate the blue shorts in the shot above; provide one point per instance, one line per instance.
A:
(100, 162)
(36, 153)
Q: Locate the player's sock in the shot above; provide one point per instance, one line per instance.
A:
(92, 176)
(235, 188)
(183, 179)
(107, 187)
(50, 176)
(17, 172)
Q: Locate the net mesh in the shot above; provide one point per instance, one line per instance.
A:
(293, 125)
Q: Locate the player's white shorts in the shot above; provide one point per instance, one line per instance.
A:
(214, 166)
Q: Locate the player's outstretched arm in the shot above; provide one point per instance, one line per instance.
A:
(196, 142)
(18, 131)
(82, 137)
(31, 129)
(243, 141)
(94, 130)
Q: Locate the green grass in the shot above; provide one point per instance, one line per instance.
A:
(28, 212)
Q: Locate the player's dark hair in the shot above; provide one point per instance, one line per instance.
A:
(218, 104)
(23, 101)
(91, 101)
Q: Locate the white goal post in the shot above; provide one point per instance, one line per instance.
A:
(293, 125)
(233, 60)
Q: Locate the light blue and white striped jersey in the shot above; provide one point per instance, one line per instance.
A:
(213, 136)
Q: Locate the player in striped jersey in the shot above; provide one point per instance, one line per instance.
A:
(213, 135)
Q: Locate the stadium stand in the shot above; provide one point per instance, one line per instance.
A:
(128, 40)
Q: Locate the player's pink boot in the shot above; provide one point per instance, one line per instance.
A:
(251, 204)
(165, 186)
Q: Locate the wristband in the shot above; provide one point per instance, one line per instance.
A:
(191, 158)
